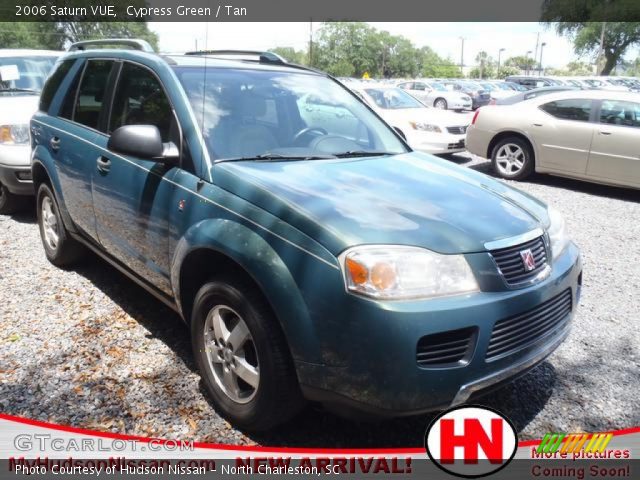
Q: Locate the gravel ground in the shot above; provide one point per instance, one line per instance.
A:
(91, 349)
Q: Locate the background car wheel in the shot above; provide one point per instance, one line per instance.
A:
(440, 103)
(512, 158)
(243, 356)
(9, 203)
(59, 247)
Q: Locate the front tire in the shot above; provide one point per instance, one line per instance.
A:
(59, 248)
(440, 103)
(242, 355)
(10, 203)
(512, 159)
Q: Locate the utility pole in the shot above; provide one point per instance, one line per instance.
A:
(535, 56)
(310, 43)
(462, 57)
(499, 54)
(540, 65)
(600, 50)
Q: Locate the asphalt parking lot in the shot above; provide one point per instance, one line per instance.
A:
(89, 348)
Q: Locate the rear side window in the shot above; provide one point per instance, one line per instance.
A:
(616, 112)
(53, 83)
(577, 109)
(140, 100)
(91, 93)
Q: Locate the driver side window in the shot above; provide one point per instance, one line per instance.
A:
(140, 100)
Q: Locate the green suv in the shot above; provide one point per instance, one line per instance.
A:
(312, 253)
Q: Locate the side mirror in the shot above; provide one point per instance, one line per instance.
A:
(142, 141)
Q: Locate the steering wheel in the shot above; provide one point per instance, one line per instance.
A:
(308, 130)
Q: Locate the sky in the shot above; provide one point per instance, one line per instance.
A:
(444, 38)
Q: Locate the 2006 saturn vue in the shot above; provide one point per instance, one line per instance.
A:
(314, 256)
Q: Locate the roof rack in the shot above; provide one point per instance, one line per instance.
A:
(134, 43)
(262, 57)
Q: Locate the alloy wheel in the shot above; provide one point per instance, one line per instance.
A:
(231, 354)
(510, 159)
(49, 223)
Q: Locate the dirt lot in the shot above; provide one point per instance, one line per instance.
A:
(91, 349)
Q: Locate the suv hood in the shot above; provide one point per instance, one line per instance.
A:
(17, 110)
(408, 199)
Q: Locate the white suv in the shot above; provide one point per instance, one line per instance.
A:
(22, 75)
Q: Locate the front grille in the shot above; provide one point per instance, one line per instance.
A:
(520, 331)
(511, 265)
(446, 348)
(451, 146)
(457, 130)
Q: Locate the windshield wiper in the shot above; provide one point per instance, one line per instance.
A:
(13, 89)
(362, 153)
(276, 156)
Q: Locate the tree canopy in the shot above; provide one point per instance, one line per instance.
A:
(58, 35)
(587, 24)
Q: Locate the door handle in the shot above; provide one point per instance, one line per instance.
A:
(54, 143)
(537, 124)
(604, 133)
(104, 165)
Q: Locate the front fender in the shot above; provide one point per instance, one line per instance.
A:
(259, 259)
(40, 157)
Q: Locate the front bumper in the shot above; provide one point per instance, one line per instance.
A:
(377, 345)
(15, 169)
(17, 179)
(437, 143)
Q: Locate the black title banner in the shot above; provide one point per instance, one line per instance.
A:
(325, 10)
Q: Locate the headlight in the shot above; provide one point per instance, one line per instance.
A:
(14, 134)
(426, 127)
(466, 98)
(394, 272)
(557, 232)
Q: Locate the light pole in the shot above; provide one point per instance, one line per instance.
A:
(526, 65)
(499, 54)
(462, 57)
(540, 65)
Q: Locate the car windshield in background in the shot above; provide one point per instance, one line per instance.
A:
(273, 115)
(24, 74)
(392, 98)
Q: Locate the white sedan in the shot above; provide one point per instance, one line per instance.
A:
(426, 129)
(437, 95)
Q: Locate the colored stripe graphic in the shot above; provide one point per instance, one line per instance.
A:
(574, 442)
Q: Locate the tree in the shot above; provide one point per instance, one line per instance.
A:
(583, 22)
(485, 68)
(58, 35)
(292, 55)
(430, 64)
(520, 62)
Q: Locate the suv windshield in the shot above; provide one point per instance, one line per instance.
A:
(24, 74)
(392, 98)
(274, 114)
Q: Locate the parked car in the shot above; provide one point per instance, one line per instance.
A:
(479, 96)
(495, 92)
(429, 130)
(22, 74)
(531, 82)
(529, 94)
(588, 135)
(296, 255)
(436, 95)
